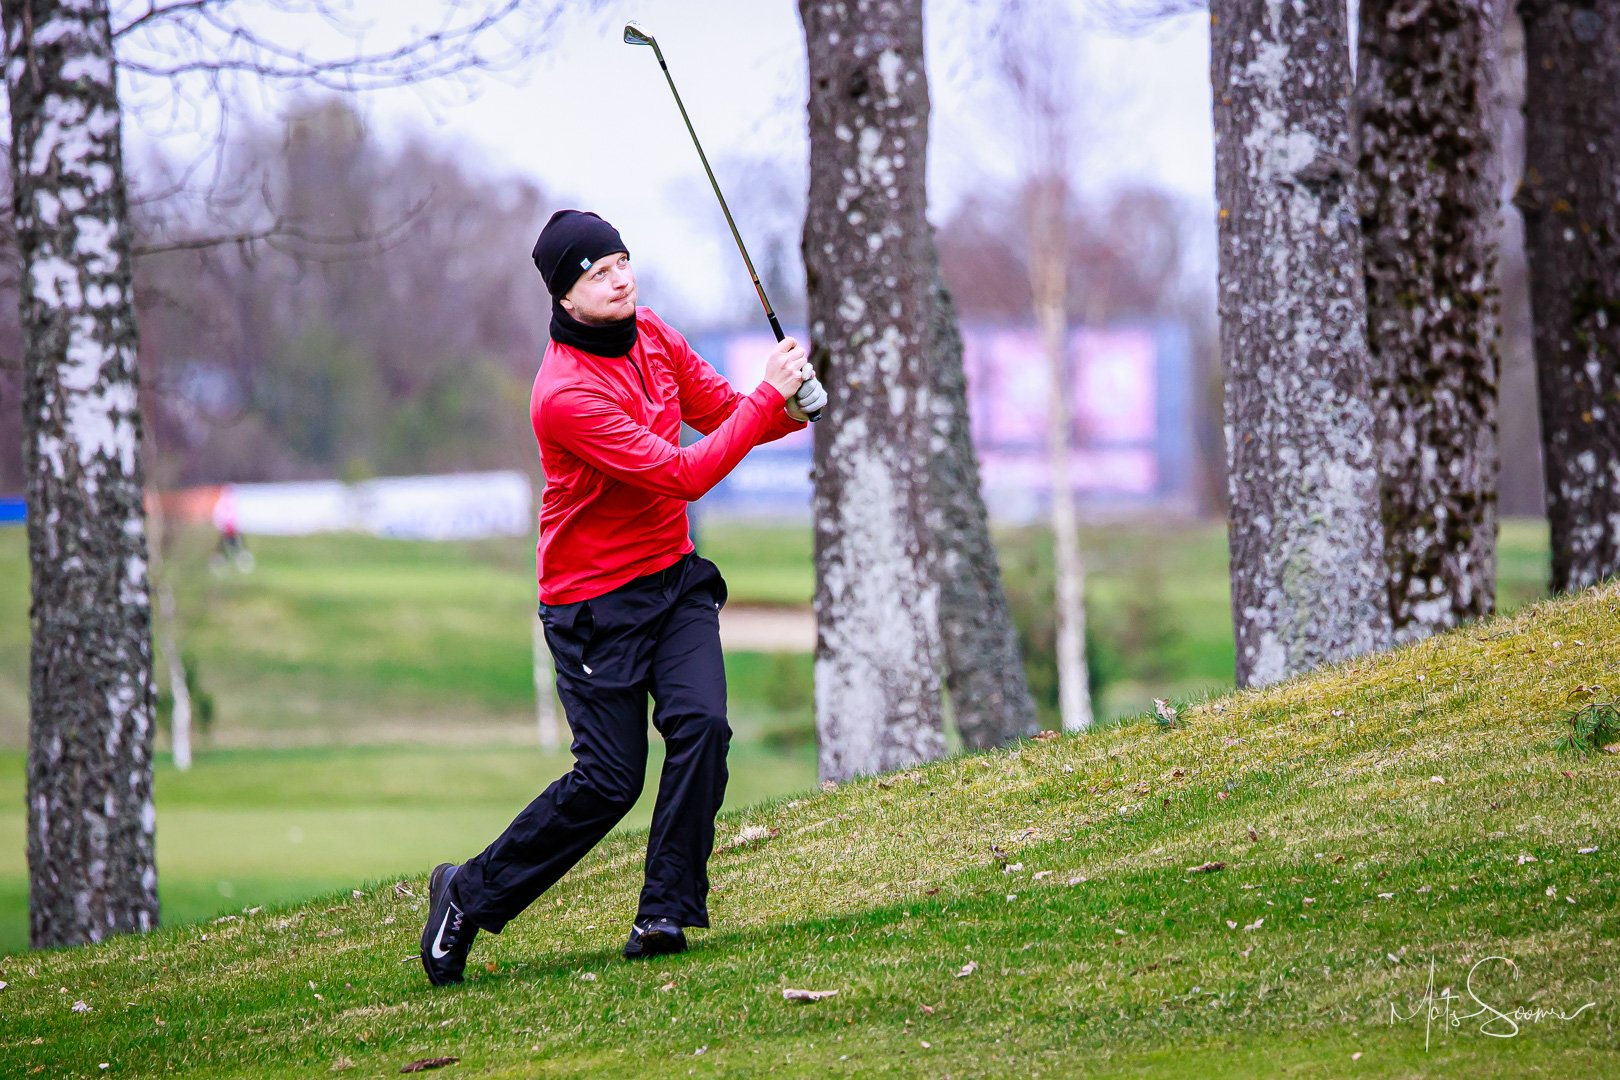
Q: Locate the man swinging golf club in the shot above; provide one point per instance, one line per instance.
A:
(629, 609)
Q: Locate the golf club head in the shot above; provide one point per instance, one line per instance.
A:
(635, 35)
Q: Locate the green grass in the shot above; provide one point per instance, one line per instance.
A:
(1378, 817)
(248, 828)
(345, 641)
(357, 640)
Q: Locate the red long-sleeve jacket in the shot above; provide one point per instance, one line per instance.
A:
(617, 478)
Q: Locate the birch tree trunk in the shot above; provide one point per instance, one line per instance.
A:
(984, 672)
(1430, 220)
(1306, 541)
(179, 691)
(1049, 287)
(545, 691)
(90, 812)
(868, 265)
(1570, 197)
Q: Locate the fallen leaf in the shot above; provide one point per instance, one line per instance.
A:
(1437, 779)
(1552, 891)
(1165, 711)
(79, 1006)
(1012, 868)
(928, 1010)
(402, 889)
(1386, 896)
(1040, 874)
(1206, 868)
(1078, 879)
(341, 1064)
(1582, 851)
(1356, 1056)
(1254, 837)
(1526, 859)
(667, 986)
(1256, 924)
(491, 966)
(424, 1064)
(588, 976)
(356, 893)
(753, 833)
(807, 995)
(829, 785)
(1231, 924)
(1221, 795)
(1307, 899)
(1045, 736)
(967, 969)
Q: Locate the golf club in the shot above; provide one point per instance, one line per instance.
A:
(634, 34)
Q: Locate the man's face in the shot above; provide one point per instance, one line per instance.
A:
(606, 293)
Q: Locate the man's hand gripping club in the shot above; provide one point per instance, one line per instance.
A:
(790, 372)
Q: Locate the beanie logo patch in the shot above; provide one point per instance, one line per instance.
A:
(584, 264)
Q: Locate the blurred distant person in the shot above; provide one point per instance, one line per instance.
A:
(232, 550)
(630, 610)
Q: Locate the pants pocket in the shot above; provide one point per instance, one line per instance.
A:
(569, 628)
(709, 577)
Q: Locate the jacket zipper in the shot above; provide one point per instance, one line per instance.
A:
(640, 380)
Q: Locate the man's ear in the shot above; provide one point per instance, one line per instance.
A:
(567, 305)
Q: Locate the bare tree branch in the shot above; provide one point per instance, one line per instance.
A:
(153, 13)
(328, 248)
(216, 36)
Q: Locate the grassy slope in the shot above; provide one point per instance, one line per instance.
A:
(1117, 962)
(357, 640)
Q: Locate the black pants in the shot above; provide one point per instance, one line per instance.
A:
(657, 635)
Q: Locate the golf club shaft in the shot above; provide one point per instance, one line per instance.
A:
(776, 326)
(753, 275)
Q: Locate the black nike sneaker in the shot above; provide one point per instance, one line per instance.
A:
(448, 933)
(654, 937)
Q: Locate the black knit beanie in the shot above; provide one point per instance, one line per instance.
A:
(571, 241)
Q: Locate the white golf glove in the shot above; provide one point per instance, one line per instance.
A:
(811, 399)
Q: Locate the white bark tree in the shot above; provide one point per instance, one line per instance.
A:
(1307, 543)
(90, 813)
(868, 262)
(1037, 54)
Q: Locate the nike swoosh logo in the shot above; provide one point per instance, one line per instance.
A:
(438, 953)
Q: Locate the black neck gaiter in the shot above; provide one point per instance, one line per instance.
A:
(612, 340)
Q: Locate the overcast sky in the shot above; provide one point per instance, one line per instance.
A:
(592, 120)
